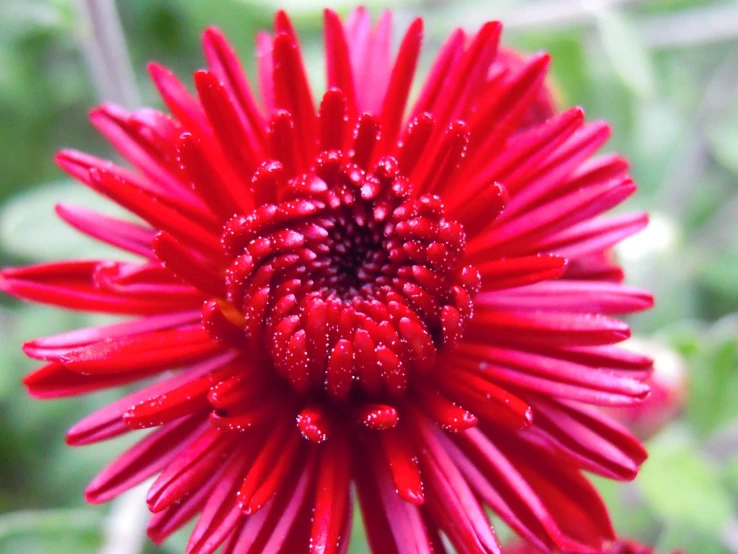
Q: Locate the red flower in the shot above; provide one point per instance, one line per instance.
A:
(378, 275)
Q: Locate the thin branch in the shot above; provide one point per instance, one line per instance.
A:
(703, 25)
(691, 27)
(681, 181)
(555, 14)
(543, 14)
(104, 49)
(729, 535)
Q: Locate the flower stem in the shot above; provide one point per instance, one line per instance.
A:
(104, 48)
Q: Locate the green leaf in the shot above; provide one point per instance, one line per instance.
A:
(682, 487)
(57, 531)
(568, 68)
(25, 15)
(680, 538)
(658, 128)
(359, 543)
(627, 53)
(723, 139)
(712, 384)
(622, 503)
(684, 337)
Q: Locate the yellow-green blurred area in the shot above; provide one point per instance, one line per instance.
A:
(663, 73)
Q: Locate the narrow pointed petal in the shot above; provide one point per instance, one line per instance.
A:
(146, 458)
(400, 81)
(152, 352)
(224, 63)
(122, 234)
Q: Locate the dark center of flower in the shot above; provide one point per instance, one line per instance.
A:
(352, 281)
(355, 255)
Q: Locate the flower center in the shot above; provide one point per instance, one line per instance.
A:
(352, 282)
(355, 254)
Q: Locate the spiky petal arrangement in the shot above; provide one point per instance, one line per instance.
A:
(376, 278)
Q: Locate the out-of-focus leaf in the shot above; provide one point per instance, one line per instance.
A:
(720, 276)
(7, 384)
(47, 531)
(626, 52)
(358, 534)
(608, 98)
(657, 130)
(652, 260)
(731, 475)
(724, 143)
(627, 510)
(681, 538)
(27, 15)
(30, 229)
(10, 77)
(570, 82)
(681, 486)
(684, 337)
(712, 379)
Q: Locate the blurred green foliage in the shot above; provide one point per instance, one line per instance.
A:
(656, 70)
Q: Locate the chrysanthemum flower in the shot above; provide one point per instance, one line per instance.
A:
(359, 296)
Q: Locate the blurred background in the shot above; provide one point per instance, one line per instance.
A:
(664, 73)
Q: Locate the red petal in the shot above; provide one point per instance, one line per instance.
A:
(238, 144)
(220, 515)
(545, 328)
(190, 469)
(377, 416)
(400, 82)
(56, 381)
(450, 502)
(447, 414)
(276, 458)
(403, 465)
(292, 91)
(571, 296)
(186, 265)
(333, 120)
(72, 285)
(147, 457)
(180, 102)
(488, 401)
(332, 499)
(393, 526)
(152, 352)
(122, 234)
(314, 424)
(339, 71)
(56, 345)
(224, 63)
(154, 212)
(509, 273)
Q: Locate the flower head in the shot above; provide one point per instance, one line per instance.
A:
(407, 285)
